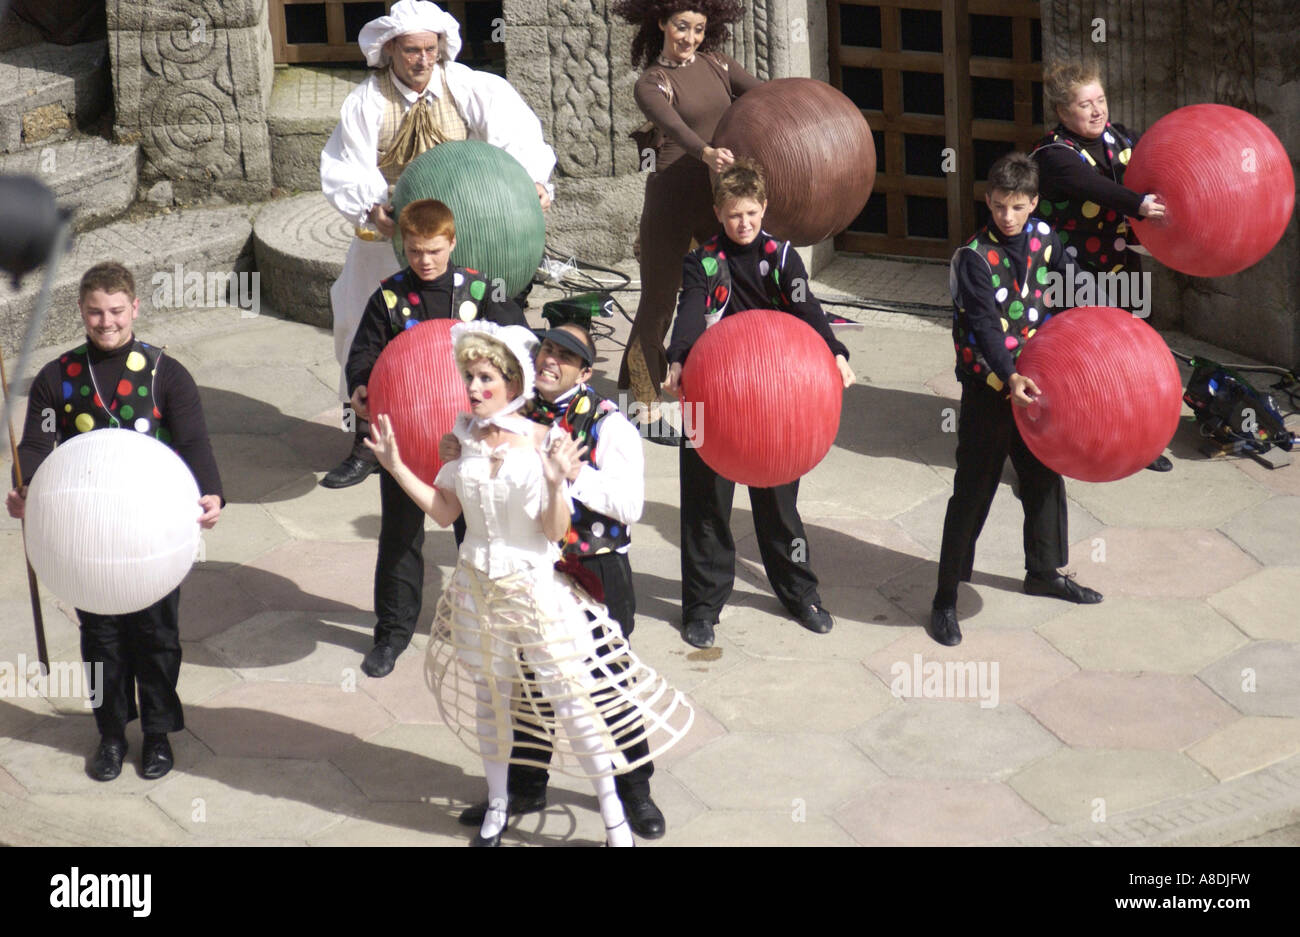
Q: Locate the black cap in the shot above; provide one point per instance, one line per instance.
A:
(566, 339)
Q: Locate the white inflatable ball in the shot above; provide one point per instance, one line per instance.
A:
(112, 521)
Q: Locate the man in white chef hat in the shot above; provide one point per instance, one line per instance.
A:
(417, 97)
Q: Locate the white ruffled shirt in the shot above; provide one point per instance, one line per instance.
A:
(503, 528)
(493, 111)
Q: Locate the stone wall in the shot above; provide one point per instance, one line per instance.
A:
(1163, 54)
(191, 82)
(570, 59)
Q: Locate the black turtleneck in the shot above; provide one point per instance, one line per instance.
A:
(374, 332)
(174, 393)
(1063, 176)
(748, 291)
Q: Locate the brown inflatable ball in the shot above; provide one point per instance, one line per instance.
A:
(816, 149)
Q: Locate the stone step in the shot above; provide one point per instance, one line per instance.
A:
(304, 109)
(300, 244)
(93, 177)
(203, 241)
(47, 89)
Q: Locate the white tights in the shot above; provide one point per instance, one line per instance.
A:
(579, 727)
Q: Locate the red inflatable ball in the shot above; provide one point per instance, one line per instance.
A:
(1111, 394)
(816, 149)
(761, 398)
(417, 384)
(1227, 185)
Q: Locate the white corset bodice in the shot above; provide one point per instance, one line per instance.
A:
(503, 527)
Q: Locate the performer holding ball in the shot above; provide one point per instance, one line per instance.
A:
(998, 309)
(514, 621)
(1081, 167)
(743, 268)
(683, 92)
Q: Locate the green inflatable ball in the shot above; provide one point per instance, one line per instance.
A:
(499, 227)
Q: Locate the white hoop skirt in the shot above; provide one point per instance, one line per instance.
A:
(524, 641)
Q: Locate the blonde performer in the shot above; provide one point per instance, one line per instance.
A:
(517, 643)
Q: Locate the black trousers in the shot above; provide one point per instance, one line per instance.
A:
(139, 651)
(615, 574)
(986, 435)
(399, 568)
(709, 550)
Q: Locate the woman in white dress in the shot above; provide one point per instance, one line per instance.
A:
(517, 644)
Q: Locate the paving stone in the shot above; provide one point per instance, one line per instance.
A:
(1267, 531)
(1254, 604)
(759, 828)
(1247, 745)
(32, 77)
(212, 600)
(395, 825)
(705, 729)
(416, 764)
(750, 771)
(923, 282)
(1162, 635)
(18, 630)
(895, 358)
(930, 739)
(1077, 786)
(853, 551)
(1198, 494)
(106, 820)
(285, 720)
(1155, 563)
(52, 758)
(244, 532)
(992, 666)
(1259, 679)
(937, 813)
(93, 178)
(224, 388)
(10, 786)
(1283, 481)
(297, 647)
(203, 674)
(317, 575)
(1147, 711)
(793, 696)
(338, 515)
(269, 468)
(239, 800)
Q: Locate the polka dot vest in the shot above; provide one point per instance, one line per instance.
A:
(717, 274)
(130, 405)
(406, 306)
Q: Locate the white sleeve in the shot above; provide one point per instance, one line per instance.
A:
(616, 487)
(349, 164)
(497, 114)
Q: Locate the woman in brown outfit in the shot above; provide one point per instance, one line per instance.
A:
(684, 90)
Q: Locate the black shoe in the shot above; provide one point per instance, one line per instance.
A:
(699, 633)
(351, 471)
(379, 662)
(1057, 586)
(1161, 464)
(662, 433)
(519, 804)
(645, 818)
(943, 626)
(156, 757)
(107, 763)
(815, 618)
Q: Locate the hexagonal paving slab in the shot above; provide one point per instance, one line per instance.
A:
(938, 813)
(1158, 563)
(931, 739)
(313, 575)
(760, 828)
(1268, 531)
(302, 647)
(1262, 605)
(414, 763)
(1148, 711)
(1248, 745)
(1164, 635)
(777, 772)
(1259, 679)
(1198, 493)
(786, 695)
(1077, 786)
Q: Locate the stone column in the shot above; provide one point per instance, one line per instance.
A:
(1159, 55)
(191, 81)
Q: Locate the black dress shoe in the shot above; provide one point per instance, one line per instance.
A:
(379, 662)
(943, 626)
(815, 618)
(662, 433)
(519, 804)
(156, 757)
(1057, 586)
(699, 633)
(1161, 464)
(351, 471)
(645, 818)
(107, 763)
